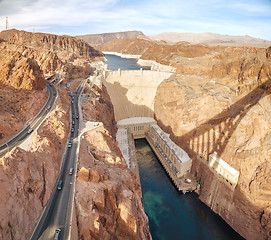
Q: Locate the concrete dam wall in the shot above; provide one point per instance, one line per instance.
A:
(132, 92)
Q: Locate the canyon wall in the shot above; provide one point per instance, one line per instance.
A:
(132, 92)
(224, 106)
(97, 39)
(219, 100)
(27, 177)
(108, 195)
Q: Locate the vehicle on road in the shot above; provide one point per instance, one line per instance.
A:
(72, 101)
(77, 117)
(49, 106)
(73, 122)
(69, 144)
(73, 116)
(59, 185)
(71, 171)
(30, 130)
(57, 233)
(72, 130)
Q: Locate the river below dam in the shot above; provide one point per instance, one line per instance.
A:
(172, 214)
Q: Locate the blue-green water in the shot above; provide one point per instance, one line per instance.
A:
(115, 62)
(173, 215)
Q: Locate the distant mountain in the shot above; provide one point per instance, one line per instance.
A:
(211, 39)
(97, 39)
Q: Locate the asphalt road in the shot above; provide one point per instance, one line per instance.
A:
(33, 124)
(57, 213)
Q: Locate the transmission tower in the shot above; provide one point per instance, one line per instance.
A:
(6, 23)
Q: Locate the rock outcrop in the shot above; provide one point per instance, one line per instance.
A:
(45, 41)
(108, 195)
(221, 102)
(211, 39)
(19, 70)
(97, 39)
(17, 107)
(27, 177)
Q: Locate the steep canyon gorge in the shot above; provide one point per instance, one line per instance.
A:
(217, 100)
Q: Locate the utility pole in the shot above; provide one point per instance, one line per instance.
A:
(6, 23)
(7, 33)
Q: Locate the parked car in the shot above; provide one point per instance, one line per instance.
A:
(59, 185)
(71, 171)
(57, 233)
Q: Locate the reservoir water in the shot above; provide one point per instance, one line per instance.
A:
(115, 62)
(172, 215)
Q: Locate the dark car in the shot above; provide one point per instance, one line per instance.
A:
(57, 233)
(73, 116)
(72, 130)
(30, 131)
(69, 144)
(59, 185)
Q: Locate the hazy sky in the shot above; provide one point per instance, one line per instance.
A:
(74, 17)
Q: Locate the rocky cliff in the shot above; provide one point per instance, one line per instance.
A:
(211, 39)
(51, 53)
(15, 110)
(219, 100)
(28, 175)
(18, 70)
(108, 195)
(47, 41)
(132, 46)
(97, 39)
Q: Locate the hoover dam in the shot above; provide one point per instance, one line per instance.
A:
(132, 93)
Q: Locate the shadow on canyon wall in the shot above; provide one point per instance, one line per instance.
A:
(204, 139)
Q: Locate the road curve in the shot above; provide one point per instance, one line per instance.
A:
(33, 124)
(57, 213)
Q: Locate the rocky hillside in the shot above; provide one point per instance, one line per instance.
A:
(97, 39)
(26, 57)
(108, 204)
(18, 69)
(15, 110)
(219, 100)
(211, 39)
(48, 42)
(28, 175)
(132, 46)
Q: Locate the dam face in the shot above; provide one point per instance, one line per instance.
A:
(132, 92)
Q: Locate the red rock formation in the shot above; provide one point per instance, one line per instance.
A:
(108, 195)
(97, 39)
(19, 71)
(47, 42)
(28, 177)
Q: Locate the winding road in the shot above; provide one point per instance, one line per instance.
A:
(58, 211)
(33, 124)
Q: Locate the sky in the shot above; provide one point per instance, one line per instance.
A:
(78, 17)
